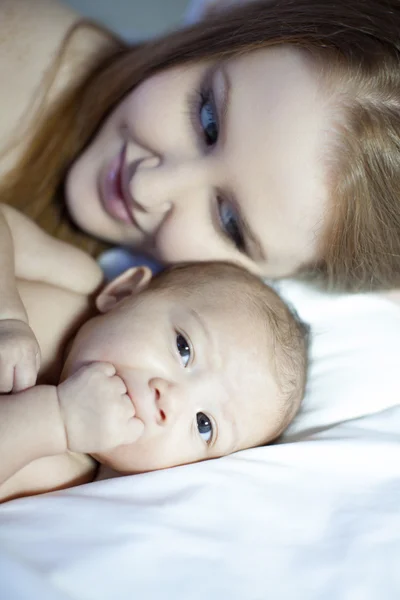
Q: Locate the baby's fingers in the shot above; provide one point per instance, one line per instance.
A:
(6, 378)
(98, 367)
(25, 374)
(120, 387)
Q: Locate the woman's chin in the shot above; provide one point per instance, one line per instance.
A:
(96, 222)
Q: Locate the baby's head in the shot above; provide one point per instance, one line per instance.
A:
(213, 360)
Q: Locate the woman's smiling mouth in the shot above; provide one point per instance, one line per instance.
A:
(111, 192)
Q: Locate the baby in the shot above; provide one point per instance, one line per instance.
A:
(147, 373)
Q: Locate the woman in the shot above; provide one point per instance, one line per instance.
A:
(268, 136)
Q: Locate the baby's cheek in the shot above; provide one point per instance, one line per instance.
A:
(139, 457)
(119, 459)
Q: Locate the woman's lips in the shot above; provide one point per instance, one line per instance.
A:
(111, 191)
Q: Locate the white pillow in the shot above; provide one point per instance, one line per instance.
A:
(354, 358)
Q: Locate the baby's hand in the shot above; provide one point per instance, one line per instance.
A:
(19, 356)
(98, 414)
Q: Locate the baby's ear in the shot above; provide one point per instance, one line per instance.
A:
(129, 283)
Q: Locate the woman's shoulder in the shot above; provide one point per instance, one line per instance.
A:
(31, 35)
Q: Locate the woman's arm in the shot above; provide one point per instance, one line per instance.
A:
(40, 257)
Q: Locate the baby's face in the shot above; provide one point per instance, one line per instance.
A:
(198, 371)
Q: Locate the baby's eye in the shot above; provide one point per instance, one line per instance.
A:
(208, 120)
(204, 425)
(183, 349)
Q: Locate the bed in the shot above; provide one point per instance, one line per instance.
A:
(315, 516)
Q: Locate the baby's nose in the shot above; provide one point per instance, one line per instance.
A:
(166, 401)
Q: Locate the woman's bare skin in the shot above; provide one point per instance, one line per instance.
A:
(31, 34)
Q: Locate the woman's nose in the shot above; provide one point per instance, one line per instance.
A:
(156, 186)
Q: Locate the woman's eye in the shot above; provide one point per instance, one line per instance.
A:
(183, 349)
(208, 120)
(230, 223)
(204, 425)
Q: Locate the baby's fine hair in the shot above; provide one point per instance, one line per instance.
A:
(287, 337)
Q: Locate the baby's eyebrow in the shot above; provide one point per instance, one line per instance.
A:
(229, 423)
(212, 355)
(202, 323)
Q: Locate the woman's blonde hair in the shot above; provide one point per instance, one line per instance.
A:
(359, 39)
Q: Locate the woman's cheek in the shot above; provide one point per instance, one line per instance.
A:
(149, 113)
(156, 112)
(184, 243)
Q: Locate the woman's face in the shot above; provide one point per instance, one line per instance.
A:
(213, 161)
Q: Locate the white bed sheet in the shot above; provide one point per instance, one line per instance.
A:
(317, 518)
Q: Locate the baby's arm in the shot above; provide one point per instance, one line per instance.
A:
(11, 306)
(89, 412)
(19, 350)
(27, 252)
(30, 428)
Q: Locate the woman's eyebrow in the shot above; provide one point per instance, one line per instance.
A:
(252, 240)
(223, 100)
